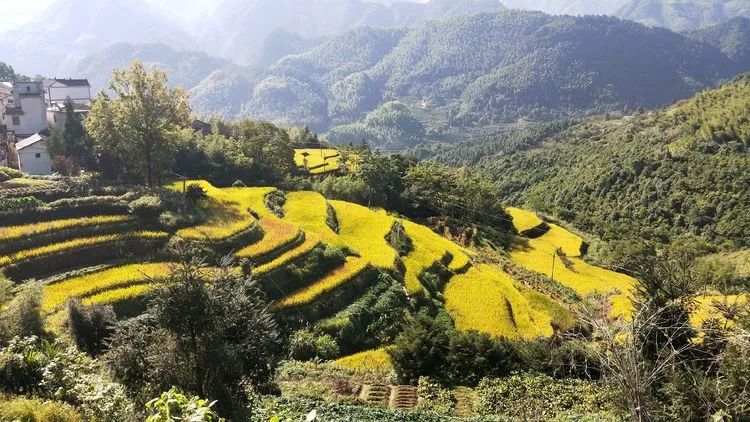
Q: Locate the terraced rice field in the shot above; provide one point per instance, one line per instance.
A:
(706, 307)
(486, 299)
(126, 277)
(309, 211)
(317, 161)
(228, 214)
(429, 248)
(377, 359)
(364, 231)
(524, 220)
(311, 242)
(582, 277)
(338, 277)
(277, 234)
(28, 230)
(30, 254)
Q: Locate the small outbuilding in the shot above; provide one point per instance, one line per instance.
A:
(33, 156)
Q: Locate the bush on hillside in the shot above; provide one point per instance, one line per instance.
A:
(7, 173)
(22, 317)
(147, 208)
(35, 410)
(305, 345)
(19, 203)
(90, 326)
(175, 405)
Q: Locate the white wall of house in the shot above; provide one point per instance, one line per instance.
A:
(32, 120)
(35, 159)
(55, 119)
(57, 93)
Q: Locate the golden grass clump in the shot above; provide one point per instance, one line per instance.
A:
(524, 220)
(76, 244)
(277, 234)
(706, 307)
(57, 294)
(364, 231)
(17, 232)
(376, 359)
(429, 247)
(338, 277)
(309, 211)
(488, 300)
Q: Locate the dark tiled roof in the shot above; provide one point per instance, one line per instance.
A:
(72, 82)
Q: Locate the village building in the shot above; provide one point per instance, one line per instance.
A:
(58, 90)
(33, 156)
(56, 113)
(24, 111)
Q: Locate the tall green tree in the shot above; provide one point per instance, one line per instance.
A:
(72, 141)
(138, 126)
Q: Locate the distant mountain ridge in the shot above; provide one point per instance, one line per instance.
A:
(520, 65)
(682, 15)
(54, 42)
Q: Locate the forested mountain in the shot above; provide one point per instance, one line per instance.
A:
(682, 15)
(520, 65)
(656, 176)
(239, 28)
(732, 37)
(186, 68)
(54, 42)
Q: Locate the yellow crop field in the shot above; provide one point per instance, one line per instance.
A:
(75, 244)
(311, 242)
(251, 199)
(57, 294)
(227, 211)
(119, 295)
(377, 359)
(523, 220)
(309, 211)
(429, 247)
(488, 300)
(364, 231)
(341, 275)
(278, 233)
(17, 232)
(319, 161)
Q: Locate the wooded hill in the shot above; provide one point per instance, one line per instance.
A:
(658, 176)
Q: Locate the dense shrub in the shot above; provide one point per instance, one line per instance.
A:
(90, 326)
(67, 208)
(22, 317)
(35, 410)
(19, 203)
(540, 396)
(147, 208)
(7, 173)
(305, 345)
(175, 405)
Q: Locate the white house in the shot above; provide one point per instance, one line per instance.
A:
(57, 90)
(33, 156)
(56, 113)
(25, 111)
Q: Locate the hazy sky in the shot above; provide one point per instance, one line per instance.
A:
(14, 13)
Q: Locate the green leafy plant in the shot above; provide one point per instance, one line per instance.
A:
(174, 405)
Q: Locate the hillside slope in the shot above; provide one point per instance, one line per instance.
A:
(656, 176)
(732, 37)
